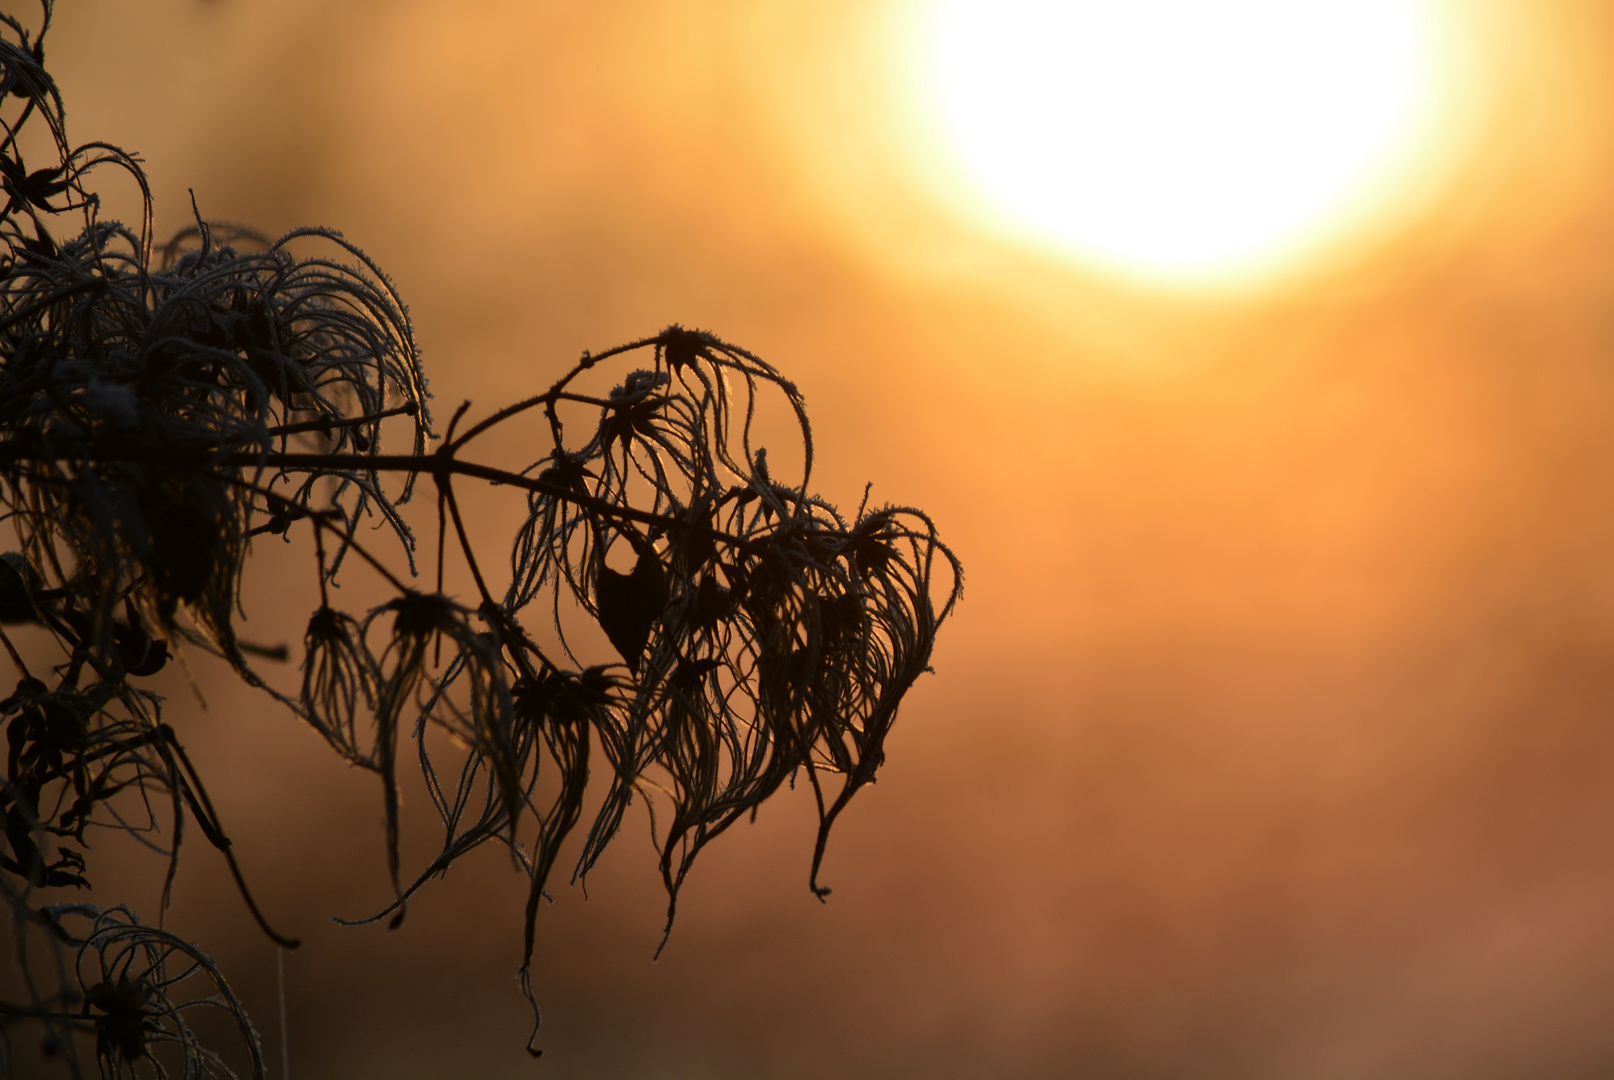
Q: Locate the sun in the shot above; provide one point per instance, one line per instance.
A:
(1184, 140)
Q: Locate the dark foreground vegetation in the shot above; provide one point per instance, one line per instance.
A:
(164, 407)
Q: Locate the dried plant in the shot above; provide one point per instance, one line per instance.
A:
(162, 407)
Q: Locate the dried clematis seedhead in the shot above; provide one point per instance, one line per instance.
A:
(339, 682)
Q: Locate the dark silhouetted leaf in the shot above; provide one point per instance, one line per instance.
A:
(16, 603)
(630, 604)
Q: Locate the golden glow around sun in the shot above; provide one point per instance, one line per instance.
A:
(1184, 140)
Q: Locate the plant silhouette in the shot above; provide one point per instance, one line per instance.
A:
(162, 407)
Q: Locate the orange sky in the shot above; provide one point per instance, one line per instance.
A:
(1273, 737)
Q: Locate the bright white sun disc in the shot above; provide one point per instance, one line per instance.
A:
(1181, 138)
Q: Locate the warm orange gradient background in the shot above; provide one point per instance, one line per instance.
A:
(1275, 737)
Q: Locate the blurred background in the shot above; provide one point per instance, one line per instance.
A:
(1273, 738)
